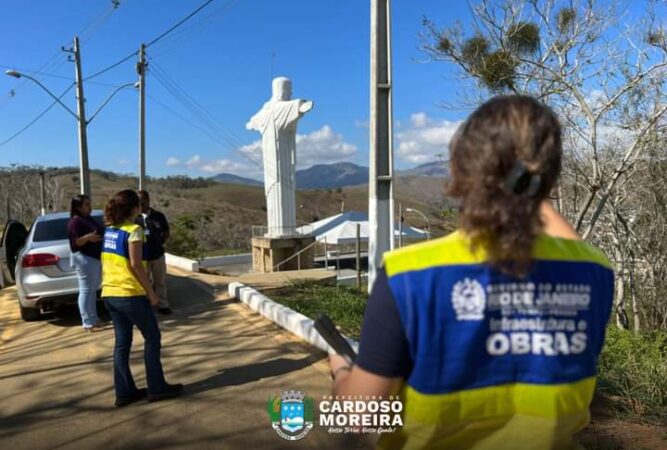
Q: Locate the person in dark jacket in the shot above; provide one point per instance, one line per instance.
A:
(156, 228)
(85, 236)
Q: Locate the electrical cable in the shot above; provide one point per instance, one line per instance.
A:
(39, 116)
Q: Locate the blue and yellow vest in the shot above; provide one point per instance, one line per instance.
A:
(498, 362)
(118, 280)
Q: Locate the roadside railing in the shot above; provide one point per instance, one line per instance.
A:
(297, 255)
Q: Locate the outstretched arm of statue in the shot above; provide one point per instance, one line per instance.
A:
(305, 106)
(255, 122)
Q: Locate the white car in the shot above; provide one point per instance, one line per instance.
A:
(38, 261)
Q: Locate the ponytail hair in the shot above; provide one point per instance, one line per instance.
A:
(504, 161)
(120, 207)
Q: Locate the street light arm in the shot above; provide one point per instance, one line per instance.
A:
(36, 81)
(428, 224)
(108, 99)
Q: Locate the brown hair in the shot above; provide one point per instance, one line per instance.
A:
(76, 204)
(119, 208)
(504, 161)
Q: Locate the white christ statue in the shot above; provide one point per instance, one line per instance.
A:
(277, 122)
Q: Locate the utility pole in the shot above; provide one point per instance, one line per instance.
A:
(400, 225)
(84, 170)
(358, 258)
(42, 197)
(381, 167)
(141, 70)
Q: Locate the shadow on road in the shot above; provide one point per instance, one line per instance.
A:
(253, 372)
(58, 386)
(184, 296)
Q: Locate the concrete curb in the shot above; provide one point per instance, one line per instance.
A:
(292, 321)
(182, 263)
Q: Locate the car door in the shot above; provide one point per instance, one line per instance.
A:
(13, 239)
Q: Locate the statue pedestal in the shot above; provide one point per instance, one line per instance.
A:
(267, 252)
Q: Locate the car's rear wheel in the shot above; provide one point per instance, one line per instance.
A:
(30, 314)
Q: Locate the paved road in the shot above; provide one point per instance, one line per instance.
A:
(56, 381)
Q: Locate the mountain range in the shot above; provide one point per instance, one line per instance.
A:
(332, 176)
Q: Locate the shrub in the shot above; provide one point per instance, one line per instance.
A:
(345, 305)
(634, 367)
(182, 240)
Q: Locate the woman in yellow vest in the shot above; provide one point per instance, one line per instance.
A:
(129, 297)
(490, 335)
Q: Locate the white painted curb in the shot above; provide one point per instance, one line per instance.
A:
(287, 318)
(181, 263)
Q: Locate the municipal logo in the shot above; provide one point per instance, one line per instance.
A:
(291, 414)
(468, 300)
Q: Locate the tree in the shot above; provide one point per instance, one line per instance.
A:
(600, 70)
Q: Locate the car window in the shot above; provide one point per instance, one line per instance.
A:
(54, 230)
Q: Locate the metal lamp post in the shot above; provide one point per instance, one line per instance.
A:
(428, 224)
(83, 141)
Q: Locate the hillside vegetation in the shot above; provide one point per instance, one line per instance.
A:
(207, 216)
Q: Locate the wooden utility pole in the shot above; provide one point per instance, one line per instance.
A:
(381, 164)
(84, 170)
(141, 70)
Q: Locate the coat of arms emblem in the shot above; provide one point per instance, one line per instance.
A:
(468, 300)
(291, 414)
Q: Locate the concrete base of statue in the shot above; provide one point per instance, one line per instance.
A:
(268, 252)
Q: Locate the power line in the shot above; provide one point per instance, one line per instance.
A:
(54, 62)
(36, 72)
(133, 54)
(230, 140)
(112, 66)
(88, 31)
(181, 22)
(195, 26)
(39, 116)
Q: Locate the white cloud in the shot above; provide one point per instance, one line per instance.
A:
(253, 151)
(322, 146)
(229, 166)
(419, 120)
(425, 138)
(361, 123)
(215, 166)
(193, 162)
(172, 162)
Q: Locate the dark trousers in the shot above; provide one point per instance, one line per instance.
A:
(126, 312)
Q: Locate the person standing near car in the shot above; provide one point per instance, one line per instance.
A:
(129, 297)
(156, 228)
(85, 236)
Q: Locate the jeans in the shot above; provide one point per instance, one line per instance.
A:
(126, 312)
(88, 271)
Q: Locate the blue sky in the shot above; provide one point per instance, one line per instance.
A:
(223, 59)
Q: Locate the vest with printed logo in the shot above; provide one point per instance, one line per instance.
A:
(498, 362)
